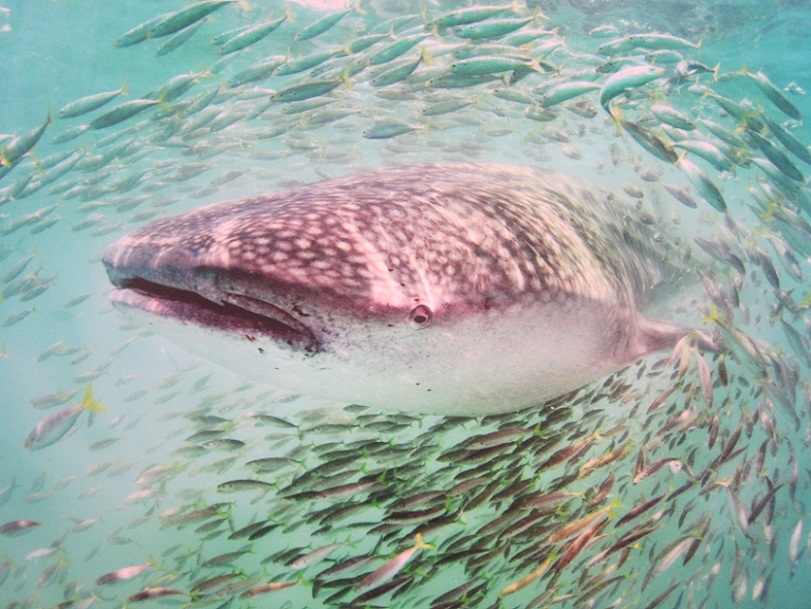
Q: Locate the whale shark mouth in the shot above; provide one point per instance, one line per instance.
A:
(230, 313)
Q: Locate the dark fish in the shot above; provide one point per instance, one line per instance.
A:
(18, 527)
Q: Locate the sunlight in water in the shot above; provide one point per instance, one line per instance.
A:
(324, 5)
(408, 207)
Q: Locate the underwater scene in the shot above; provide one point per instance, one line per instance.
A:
(139, 468)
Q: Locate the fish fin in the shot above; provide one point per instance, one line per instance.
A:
(712, 317)
(614, 508)
(96, 407)
(616, 113)
(652, 335)
(656, 335)
(150, 560)
(537, 15)
(162, 102)
(424, 16)
(289, 16)
(425, 57)
(89, 402)
(357, 8)
(420, 544)
(516, 6)
(345, 78)
(707, 342)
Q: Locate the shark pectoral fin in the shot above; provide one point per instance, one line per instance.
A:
(652, 335)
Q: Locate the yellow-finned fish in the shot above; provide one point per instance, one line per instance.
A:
(54, 427)
(393, 566)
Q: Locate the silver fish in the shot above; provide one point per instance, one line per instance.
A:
(54, 427)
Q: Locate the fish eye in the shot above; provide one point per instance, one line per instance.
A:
(420, 317)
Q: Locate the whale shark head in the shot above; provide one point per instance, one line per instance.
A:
(455, 288)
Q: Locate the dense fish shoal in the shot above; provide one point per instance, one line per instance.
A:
(680, 480)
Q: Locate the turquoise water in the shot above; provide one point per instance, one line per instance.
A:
(127, 486)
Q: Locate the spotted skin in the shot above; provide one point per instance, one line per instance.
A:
(464, 231)
(471, 251)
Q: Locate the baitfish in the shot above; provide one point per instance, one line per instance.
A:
(54, 427)
(448, 288)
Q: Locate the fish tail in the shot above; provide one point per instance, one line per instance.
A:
(289, 16)
(153, 563)
(357, 8)
(89, 402)
(162, 101)
(537, 15)
(96, 407)
(345, 78)
(420, 544)
(614, 508)
(424, 16)
(712, 317)
(616, 114)
(425, 57)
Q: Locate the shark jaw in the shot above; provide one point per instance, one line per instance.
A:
(220, 311)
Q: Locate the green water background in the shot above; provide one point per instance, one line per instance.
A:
(56, 51)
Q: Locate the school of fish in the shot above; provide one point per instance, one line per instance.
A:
(679, 481)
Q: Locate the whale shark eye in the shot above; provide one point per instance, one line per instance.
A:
(420, 317)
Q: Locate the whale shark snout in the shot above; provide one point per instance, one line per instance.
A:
(451, 288)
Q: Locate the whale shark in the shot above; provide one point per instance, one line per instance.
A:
(457, 288)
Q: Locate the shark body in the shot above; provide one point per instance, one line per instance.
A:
(463, 289)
